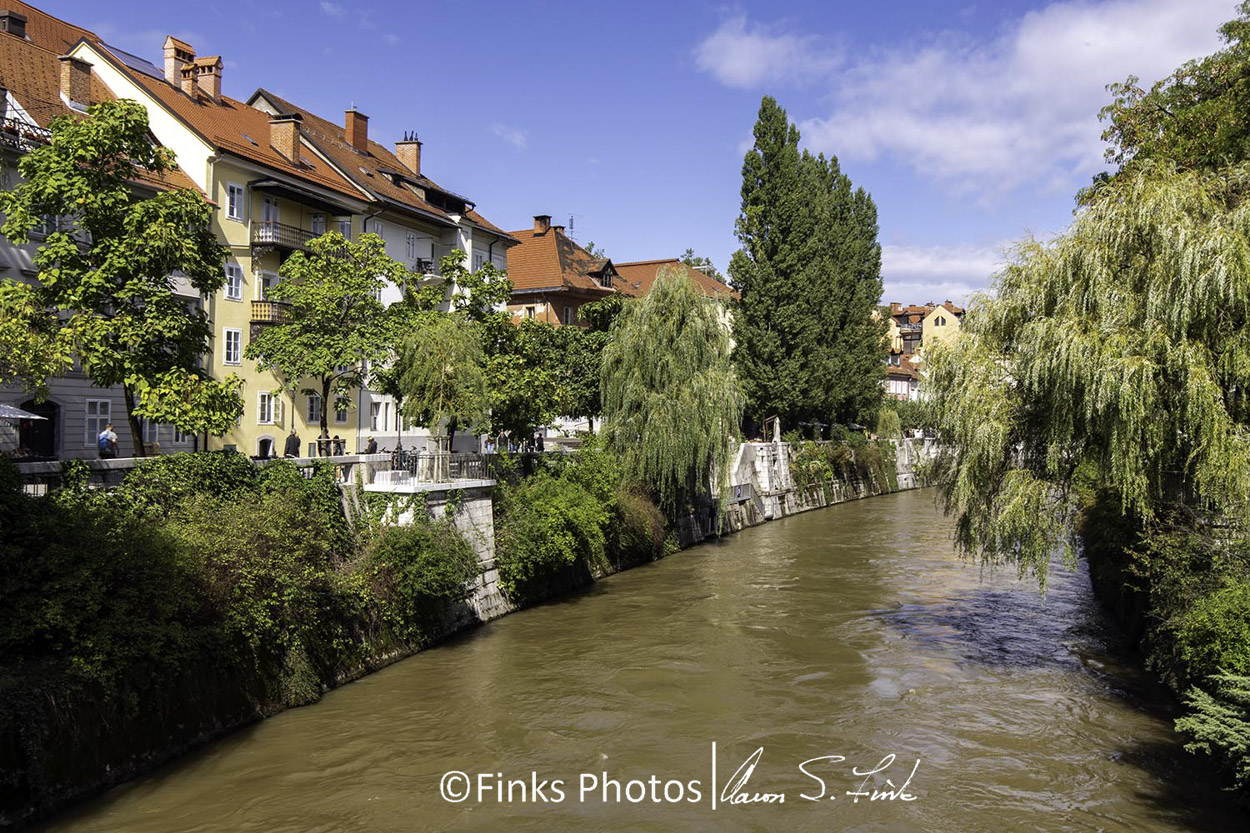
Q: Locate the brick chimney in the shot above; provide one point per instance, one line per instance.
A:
(357, 128)
(188, 79)
(409, 152)
(177, 55)
(14, 23)
(558, 228)
(542, 223)
(75, 82)
(284, 135)
(208, 76)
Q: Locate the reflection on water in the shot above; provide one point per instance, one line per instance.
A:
(851, 631)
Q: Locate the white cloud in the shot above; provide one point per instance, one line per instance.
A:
(333, 9)
(986, 116)
(391, 39)
(919, 274)
(512, 135)
(745, 54)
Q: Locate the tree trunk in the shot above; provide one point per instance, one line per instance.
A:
(136, 427)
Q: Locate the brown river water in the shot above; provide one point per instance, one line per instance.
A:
(851, 632)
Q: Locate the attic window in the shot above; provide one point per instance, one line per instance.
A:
(250, 139)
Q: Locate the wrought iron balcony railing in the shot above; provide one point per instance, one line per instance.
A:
(279, 235)
(23, 135)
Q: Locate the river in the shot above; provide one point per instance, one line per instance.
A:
(850, 632)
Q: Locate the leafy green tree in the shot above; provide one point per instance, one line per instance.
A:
(333, 321)
(703, 264)
(105, 291)
(581, 354)
(595, 251)
(807, 345)
(441, 374)
(671, 399)
(1195, 117)
(525, 380)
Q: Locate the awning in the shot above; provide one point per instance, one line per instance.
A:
(13, 412)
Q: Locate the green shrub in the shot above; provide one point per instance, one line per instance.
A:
(1213, 635)
(417, 573)
(159, 484)
(548, 525)
(1218, 723)
(889, 426)
(636, 529)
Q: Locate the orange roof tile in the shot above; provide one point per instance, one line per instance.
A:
(376, 170)
(551, 260)
(638, 276)
(32, 74)
(47, 31)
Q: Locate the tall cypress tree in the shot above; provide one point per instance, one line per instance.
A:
(806, 344)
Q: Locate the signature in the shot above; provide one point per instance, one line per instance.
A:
(736, 790)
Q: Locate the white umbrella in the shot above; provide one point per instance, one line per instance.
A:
(11, 412)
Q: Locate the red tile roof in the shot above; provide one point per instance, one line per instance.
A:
(32, 74)
(233, 126)
(638, 276)
(375, 170)
(47, 31)
(551, 260)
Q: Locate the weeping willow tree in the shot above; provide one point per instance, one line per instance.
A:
(440, 372)
(671, 400)
(1117, 355)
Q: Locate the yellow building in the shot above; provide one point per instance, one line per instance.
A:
(280, 176)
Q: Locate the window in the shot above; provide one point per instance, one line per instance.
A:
(379, 229)
(318, 224)
(99, 414)
(267, 281)
(340, 410)
(529, 312)
(234, 201)
(264, 408)
(269, 210)
(50, 225)
(386, 416)
(234, 282)
(180, 437)
(232, 341)
(375, 411)
(343, 225)
(478, 260)
(314, 408)
(151, 431)
(411, 250)
(569, 317)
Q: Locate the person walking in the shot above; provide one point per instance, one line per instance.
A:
(107, 442)
(292, 444)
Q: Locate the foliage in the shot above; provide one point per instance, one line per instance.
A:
(1214, 634)
(106, 291)
(441, 375)
(671, 401)
(549, 526)
(1122, 344)
(420, 571)
(912, 413)
(1194, 118)
(525, 381)
(161, 483)
(703, 264)
(889, 425)
(1219, 724)
(807, 345)
(334, 322)
(815, 465)
(595, 251)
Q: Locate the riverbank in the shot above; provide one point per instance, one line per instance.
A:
(66, 738)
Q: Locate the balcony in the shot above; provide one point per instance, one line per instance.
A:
(269, 234)
(22, 135)
(269, 312)
(910, 328)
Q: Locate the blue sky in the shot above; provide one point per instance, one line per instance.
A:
(972, 124)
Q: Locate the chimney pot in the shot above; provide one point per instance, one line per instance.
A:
(357, 129)
(14, 23)
(208, 76)
(558, 228)
(177, 55)
(75, 81)
(284, 135)
(542, 223)
(409, 152)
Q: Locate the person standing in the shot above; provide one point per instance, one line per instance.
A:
(371, 447)
(292, 444)
(338, 446)
(107, 442)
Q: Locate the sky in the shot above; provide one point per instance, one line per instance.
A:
(971, 124)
